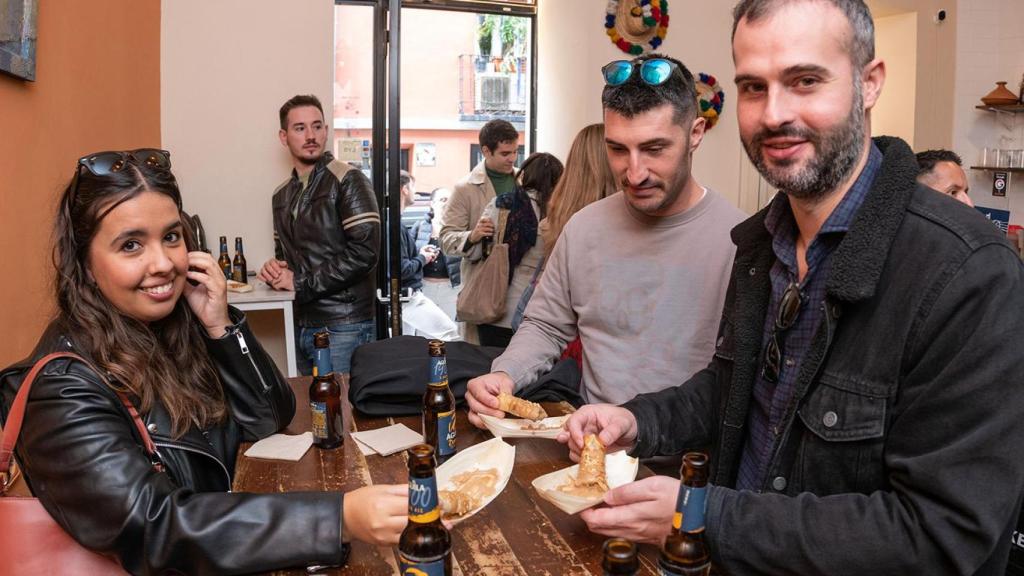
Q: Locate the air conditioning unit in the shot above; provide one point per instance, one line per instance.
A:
(493, 91)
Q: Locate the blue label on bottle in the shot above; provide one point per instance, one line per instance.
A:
(446, 433)
(438, 371)
(423, 505)
(690, 508)
(415, 567)
(322, 362)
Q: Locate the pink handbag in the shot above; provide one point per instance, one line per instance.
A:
(31, 541)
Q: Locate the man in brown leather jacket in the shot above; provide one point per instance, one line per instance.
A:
(327, 238)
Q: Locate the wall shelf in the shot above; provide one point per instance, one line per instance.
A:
(997, 169)
(1004, 108)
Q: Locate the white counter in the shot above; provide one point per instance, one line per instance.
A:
(264, 297)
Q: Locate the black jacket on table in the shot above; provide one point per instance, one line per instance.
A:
(84, 461)
(902, 450)
(332, 243)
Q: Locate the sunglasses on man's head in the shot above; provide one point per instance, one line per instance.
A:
(653, 72)
(104, 163)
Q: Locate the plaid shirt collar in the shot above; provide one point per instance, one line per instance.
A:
(782, 226)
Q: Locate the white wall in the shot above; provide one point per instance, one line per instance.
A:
(990, 48)
(573, 47)
(226, 68)
(896, 44)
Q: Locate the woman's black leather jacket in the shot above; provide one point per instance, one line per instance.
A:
(84, 460)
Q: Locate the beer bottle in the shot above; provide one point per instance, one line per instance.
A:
(684, 551)
(619, 558)
(439, 405)
(224, 261)
(240, 274)
(425, 546)
(325, 397)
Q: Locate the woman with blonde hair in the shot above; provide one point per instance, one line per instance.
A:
(587, 178)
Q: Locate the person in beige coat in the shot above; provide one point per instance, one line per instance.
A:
(463, 223)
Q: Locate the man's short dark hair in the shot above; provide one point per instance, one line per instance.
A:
(498, 132)
(634, 96)
(298, 102)
(858, 15)
(927, 160)
(404, 178)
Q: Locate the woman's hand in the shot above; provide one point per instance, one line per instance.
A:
(376, 514)
(208, 299)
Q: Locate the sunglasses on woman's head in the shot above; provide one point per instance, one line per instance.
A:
(104, 163)
(653, 72)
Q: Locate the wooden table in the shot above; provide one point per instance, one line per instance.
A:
(518, 533)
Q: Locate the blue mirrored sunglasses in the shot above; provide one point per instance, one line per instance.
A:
(653, 72)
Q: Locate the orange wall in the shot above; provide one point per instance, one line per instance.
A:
(97, 88)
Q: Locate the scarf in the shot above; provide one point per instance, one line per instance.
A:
(520, 227)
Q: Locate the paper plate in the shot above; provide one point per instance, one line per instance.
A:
(494, 453)
(620, 468)
(522, 428)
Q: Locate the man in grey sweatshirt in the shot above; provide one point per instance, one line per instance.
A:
(641, 275)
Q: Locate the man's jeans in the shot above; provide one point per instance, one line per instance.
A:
(344, 340)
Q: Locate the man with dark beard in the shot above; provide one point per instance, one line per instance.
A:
(856, 408)
(643, 271)
(327, 237)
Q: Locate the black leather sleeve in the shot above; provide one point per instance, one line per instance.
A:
(359, 217)
(259, 398)
(91, 475)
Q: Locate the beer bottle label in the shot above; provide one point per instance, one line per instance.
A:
(690, 507)
(319, 413)
(322, 362)
(438, 371)
(415, 567)
(446, 433)
(423, 506)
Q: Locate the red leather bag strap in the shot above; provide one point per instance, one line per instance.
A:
(17, 415)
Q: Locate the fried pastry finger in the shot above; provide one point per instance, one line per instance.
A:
(519, 407)
(592, 472)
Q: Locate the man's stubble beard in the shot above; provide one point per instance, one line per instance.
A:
(836, 154)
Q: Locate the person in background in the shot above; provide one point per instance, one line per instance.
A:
(526, 206)
(587, 178)
(463, 224)
(943, 170)
(639, 276)
(420, 315)
(327, 239)
(148, 314)
(441, 280)
(859, 407)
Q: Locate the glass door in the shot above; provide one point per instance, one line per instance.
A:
(414, 82)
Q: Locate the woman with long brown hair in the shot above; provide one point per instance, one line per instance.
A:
(148, 316)
(587, 178)
(525, 207)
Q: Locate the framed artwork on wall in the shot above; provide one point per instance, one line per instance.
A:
(18, 37)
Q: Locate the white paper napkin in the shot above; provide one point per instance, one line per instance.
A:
(390, 439)
(281, 447)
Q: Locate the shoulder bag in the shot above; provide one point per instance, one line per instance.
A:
(31, 541)
(482, 299)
